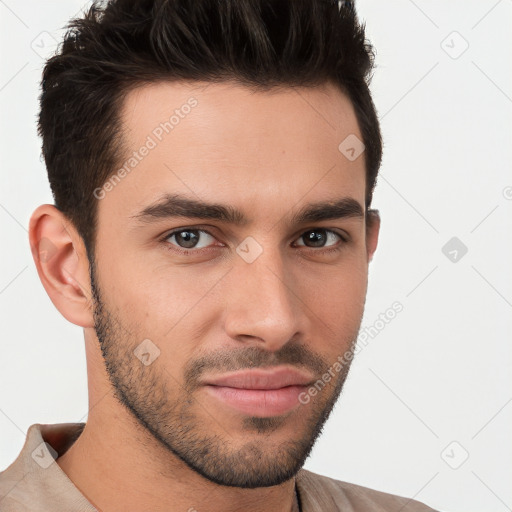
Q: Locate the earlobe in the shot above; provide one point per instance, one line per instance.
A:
(372, 232)
(61, 261)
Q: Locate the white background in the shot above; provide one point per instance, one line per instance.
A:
(440, 371)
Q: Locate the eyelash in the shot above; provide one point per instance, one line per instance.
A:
(323, 250)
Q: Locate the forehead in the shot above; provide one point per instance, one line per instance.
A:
(228, 143)
(238, 111)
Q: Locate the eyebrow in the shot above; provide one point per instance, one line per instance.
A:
(176, 205)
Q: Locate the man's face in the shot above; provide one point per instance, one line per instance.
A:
(185, 299)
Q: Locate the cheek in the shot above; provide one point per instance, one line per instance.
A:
(337, 305)
(169, 306)
(336, 292)
(157, 292)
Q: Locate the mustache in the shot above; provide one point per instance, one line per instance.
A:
(246, 358)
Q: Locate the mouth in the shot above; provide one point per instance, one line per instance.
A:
(258, 392)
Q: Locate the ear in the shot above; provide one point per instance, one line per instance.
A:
(372, 232)
(62, 264)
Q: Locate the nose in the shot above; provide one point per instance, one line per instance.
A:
(261, 305)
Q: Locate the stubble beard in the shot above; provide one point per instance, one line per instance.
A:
(172, 418)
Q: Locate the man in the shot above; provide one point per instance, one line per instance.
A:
(212, 164)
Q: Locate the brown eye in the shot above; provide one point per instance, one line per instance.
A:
(320, 237)
(190, 238)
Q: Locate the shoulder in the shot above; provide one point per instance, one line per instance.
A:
(12, 487)
(320, 492)
(34, 481)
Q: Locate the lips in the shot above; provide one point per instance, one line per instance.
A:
(262, 379)
(259, 393)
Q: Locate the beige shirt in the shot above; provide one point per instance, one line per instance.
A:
(34, 482)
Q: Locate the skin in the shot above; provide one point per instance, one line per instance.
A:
(268, 155)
